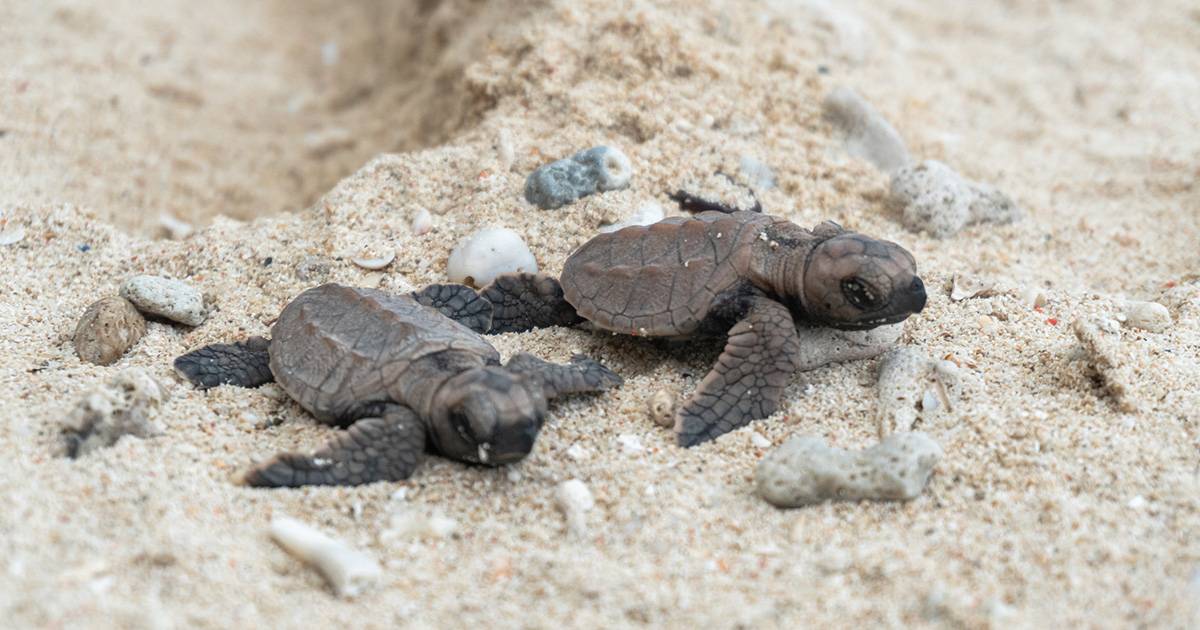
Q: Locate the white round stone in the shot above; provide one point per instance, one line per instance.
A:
(492, 251)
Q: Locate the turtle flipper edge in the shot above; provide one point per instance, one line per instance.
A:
(748, 379)
(524, 301)
(458, 302)
(243, 363)
(582, 375)
(372, 449)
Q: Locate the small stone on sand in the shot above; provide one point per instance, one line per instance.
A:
(805, 470)
(118, 408)
(107, 330)
(492, 251)
(172, 299)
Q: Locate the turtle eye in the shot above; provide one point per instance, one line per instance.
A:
(462, 424)
(858, 293)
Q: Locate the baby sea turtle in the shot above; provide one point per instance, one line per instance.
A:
(723, 272)
(402, 373)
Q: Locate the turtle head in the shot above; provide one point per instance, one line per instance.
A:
(488, 416)
(854, 282)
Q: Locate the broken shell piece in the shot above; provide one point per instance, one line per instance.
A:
(963, 289)
(12, 236)
(661, 406)
(348, 570)
(648, 213)
(374, 257)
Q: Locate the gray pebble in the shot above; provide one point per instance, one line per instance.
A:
(866, 134)
(821, 346)
(936, 199)
(559, 183)
(118, 408)
(164, 297)
(805, 470)
(107, 330)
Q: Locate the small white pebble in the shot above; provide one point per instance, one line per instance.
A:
(1138, 502)
(492, 251)
(406, 523)
(348, 570)
(513, 475)
(575, 500)
(176, 230)
(866, 133)
(630, 443)
(577, 452)
(758, 175)
(648, 213)
(505, 151)
(165, 297)
(1150, 316)
(422, 222)
(1033, 297)
(374, 257)
(759, 440)
(330, 53)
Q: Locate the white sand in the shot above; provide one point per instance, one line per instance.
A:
(1050, 508)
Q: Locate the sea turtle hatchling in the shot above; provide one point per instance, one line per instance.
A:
(403, 374)
(740, 274)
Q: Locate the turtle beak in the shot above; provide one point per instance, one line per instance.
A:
(513, 446)
(914, 297)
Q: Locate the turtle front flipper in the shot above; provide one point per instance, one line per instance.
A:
(524, 301)
(582, 375)
(458, 302)
(749, 377)
(372, 449)
(244, 363)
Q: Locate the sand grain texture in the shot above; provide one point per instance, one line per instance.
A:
(1050, 508)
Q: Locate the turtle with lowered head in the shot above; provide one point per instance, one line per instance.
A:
(403, 374)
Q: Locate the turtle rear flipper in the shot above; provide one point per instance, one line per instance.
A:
(372, 449)
(458, 302)
(749, 377)
(524, 301)
(243, 363)
(582, 375)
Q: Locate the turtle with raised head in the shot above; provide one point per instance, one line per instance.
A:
(403, 373)
(743, 275)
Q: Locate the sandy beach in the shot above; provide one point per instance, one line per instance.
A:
(281, 138)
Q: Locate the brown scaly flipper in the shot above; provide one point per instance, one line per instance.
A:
(524, 301)
(244, 363)
(582, 375)
(372, 449)
(458, 302)
(749, 377)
